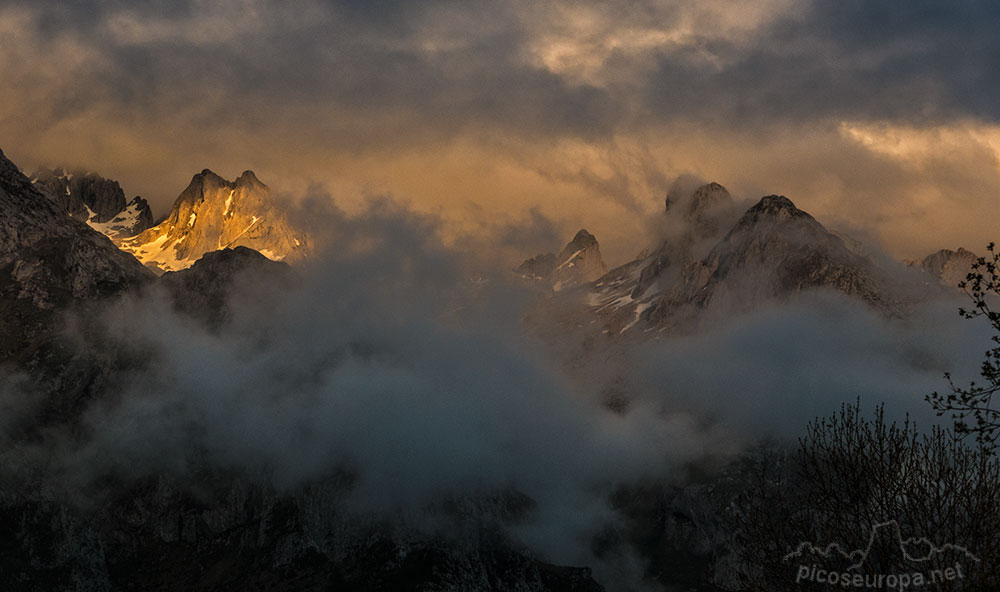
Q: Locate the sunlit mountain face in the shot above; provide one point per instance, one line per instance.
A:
(213, 214)
(578, 296)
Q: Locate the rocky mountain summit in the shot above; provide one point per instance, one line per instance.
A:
(701, 208)
(692, 221)
(49, 259)
(212, 214)
(579, 262)
(772, 251)
(99, 202)
(950, 267)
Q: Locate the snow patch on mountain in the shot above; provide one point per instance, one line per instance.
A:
(213, 213)
(579, 263)
(99, 202)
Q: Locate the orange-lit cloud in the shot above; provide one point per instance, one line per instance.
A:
(492, 114)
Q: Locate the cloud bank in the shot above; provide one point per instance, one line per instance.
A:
(401, 362)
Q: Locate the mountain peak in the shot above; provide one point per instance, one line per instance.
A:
(213, 213)
(709, 194)
(249, 179)
(582, 240)
(774, 204)
(694, 201)
(950, 267)
(708, 203)
(779, 250)
(579, 262)
(772, 208)
(209, 177)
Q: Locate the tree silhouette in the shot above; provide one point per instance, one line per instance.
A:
(847, 480)
(972, 408)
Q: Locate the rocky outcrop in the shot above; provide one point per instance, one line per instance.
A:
(539, 267)
(99, 202)
(212, 214)
(50, 263)
(135, 218)
(692, 221)
(950, 267)
(76, 193)
(49, 259)
(578, 263)
(774, 250)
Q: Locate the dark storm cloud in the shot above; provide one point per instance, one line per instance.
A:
(869, 60)
(446, 66)
(436, 66)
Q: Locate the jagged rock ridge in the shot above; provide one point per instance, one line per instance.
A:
(99, 202)
(701, 207)
(692, 221)
(950, 267)
(772, 251)
(49, 258)
(539, 267)
(578, 263)
(212, 214)
(50, 262)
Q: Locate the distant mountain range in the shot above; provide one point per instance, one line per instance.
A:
(209, 215)
(712, 255)
(716, 260)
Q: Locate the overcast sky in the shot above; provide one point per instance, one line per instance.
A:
(876, 115)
